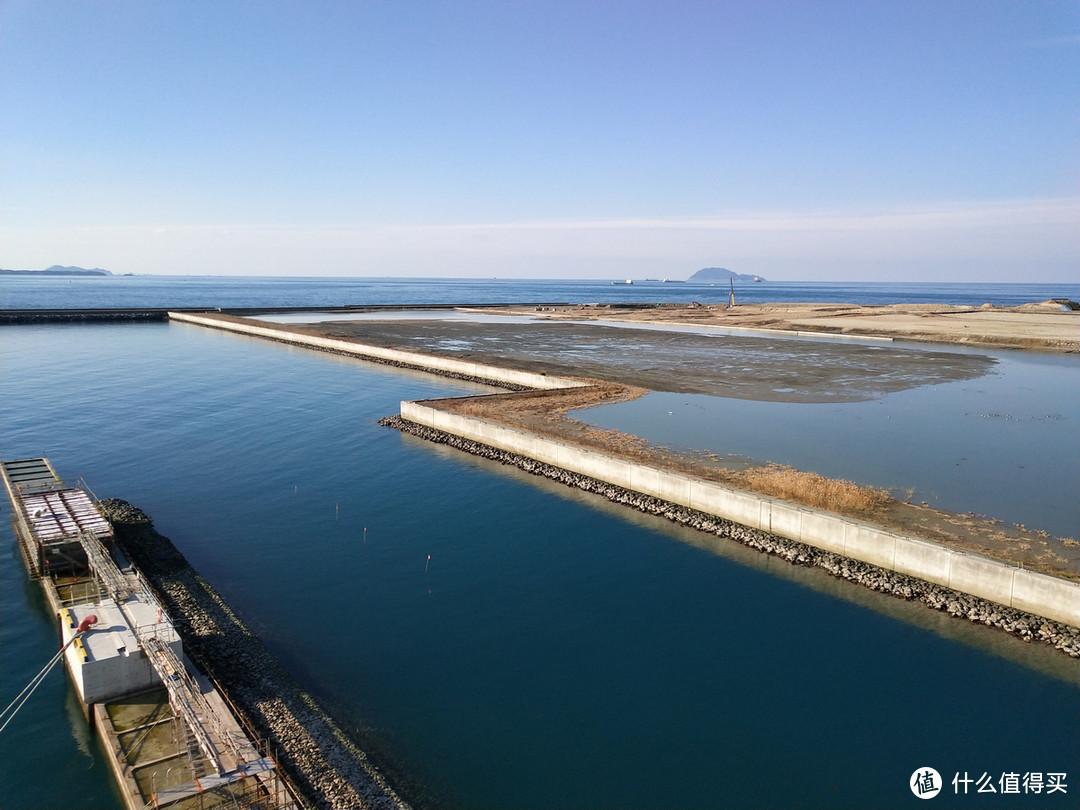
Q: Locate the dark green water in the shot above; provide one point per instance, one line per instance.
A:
(555, 652)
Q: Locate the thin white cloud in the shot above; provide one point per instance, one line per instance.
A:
(1010, 240)
(900, 218)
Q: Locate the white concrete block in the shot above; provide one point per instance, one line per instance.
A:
(1054, 598)
(982, 577)
(923, 559)
(786, 520)
(869, 544)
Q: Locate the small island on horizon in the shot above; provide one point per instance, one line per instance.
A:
(722, 274)
(58, 270)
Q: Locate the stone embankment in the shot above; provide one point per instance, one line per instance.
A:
(323, 763)
(1011, 620)
(13, 316)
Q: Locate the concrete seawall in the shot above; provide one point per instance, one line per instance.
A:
(419, 360)
(998, 582)
(1039, 594)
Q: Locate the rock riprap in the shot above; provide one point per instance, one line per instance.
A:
(323, 762)
(1027, 626)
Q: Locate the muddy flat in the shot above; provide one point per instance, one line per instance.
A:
(742, 366)
(776, 366)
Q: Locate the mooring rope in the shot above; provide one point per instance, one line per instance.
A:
(35, 682)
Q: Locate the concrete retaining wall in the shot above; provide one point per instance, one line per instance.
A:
(1043, 595)
(465, 368)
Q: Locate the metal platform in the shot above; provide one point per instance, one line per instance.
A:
(207, 760)
(31, 475)
(48, 517)
(62, 515)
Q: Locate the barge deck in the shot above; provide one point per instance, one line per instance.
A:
(172, 739)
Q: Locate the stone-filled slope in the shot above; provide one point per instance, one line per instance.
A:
(1025, 625)
(323, 763)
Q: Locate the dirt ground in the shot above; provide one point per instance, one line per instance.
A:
(545, 413)
(628, 362)
(1043, 326)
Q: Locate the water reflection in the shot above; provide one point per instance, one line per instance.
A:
(1039, 657)
(1002, 444)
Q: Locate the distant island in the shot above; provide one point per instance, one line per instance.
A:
(721, 274)
(58, 270)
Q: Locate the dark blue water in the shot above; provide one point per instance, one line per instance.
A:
(1003, 445)
(556, 651)
(104, 292)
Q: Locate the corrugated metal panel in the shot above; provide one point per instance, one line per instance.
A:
(59, 515)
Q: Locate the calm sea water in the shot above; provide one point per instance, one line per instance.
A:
(1002, 445)
(73, 292)
(556, 652)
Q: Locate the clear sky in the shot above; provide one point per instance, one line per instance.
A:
(894, 140)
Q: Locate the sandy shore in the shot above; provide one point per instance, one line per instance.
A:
(1043, 326)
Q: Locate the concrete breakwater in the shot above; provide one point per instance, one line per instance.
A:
(958, 571)
(512, 379)
(1000, 582)
(325, 765)
(1012, 620)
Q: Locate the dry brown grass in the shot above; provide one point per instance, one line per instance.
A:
(545, 412)
(811, 489)
(555, 402)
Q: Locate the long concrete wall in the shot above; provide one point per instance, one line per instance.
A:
(1036, 593)
(482, 371)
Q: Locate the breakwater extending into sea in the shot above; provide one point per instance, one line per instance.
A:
(558, 651)
(1025, 625)
(1009, 586)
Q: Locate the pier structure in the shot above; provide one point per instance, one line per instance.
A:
(172, 738)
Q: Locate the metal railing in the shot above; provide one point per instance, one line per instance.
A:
(184, 695)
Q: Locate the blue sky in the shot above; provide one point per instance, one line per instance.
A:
(796, 140)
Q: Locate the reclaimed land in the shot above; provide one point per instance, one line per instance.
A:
(627, 363)
(544, 412)
(326, 765)
(1043, 326)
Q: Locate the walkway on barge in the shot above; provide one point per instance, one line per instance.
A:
(173, 740)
